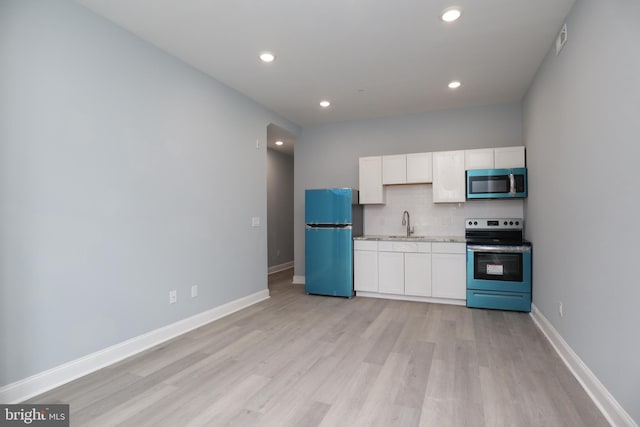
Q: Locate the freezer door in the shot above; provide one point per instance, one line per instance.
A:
(330, 206)
(329, 261)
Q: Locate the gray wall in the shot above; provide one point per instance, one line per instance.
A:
(124, 174)
(279, 207)
(327, 155)
(581, 132)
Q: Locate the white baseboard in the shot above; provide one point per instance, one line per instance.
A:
(298, 280)
(44, 381)
(608, 405)
(280, 267)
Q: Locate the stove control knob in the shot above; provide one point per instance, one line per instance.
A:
(475, 222)
(470, 222)
(505, 223)
(511, 223)
(517, 222)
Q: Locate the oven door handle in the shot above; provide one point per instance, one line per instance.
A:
(512, 184)
(501, 249)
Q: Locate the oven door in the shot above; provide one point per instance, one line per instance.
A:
(499, 268)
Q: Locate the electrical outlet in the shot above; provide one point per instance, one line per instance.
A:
(173, 297)
(560, 309)
(194, 291)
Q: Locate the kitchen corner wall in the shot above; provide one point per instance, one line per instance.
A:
(124, 174)
(581, 118)
(428, 218)
(327, 155)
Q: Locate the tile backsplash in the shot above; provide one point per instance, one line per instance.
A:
(428, 218)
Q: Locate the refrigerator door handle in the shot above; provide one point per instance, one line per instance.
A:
(341, 226)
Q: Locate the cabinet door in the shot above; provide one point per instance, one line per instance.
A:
(394, 169)
(365, 271)
(391, 272)
(448, 177)
(417, 274)
(449, 276)
(479, 159)
(509, 157)
(370, 174)
(419, 168)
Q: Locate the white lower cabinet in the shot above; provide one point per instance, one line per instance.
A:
(415, 269)
(449, 271)
(417, 274)
(365, 266)
(404, 268)
(391, 272)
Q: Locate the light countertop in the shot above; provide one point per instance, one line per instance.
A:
(451, 239)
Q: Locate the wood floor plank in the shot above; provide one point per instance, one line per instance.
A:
(222, 410)
(411, 393)
(384, 343)
(349, 401)
(118, 414)
(377, 408)
(307, 360)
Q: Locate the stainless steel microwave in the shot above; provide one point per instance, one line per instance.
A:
(497, 183)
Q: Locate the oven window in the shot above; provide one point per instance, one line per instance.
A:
(489, 184)
(498, 266)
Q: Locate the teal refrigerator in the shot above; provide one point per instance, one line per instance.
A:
(333, 218)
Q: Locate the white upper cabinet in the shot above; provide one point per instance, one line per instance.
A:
(370, 177)
(509, 157)
(499, 158)
(419, 168)
(394, 169)
(414, 168)
(448, 177)
(479, 159)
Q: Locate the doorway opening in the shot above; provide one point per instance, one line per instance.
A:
(280, 156)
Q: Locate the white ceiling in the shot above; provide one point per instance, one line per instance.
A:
(371, 58)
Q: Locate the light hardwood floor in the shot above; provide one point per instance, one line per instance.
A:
(303, 360)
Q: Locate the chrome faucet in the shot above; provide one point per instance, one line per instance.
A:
(406, 220)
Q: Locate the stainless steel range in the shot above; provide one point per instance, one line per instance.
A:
(498, 264)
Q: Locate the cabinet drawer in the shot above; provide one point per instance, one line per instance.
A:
(365, 245)
(499, 300)
(448, 248)
(392, 246)
(402, 246)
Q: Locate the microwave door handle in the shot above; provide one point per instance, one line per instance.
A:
(512, 184)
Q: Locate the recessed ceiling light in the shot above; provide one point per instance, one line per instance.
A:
(324, 103)
(267, 57)
(454, 84)
(451, 14)
(279, 142)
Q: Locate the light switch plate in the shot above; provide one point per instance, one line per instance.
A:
(255, 221)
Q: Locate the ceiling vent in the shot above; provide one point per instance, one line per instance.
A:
(562, 38)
